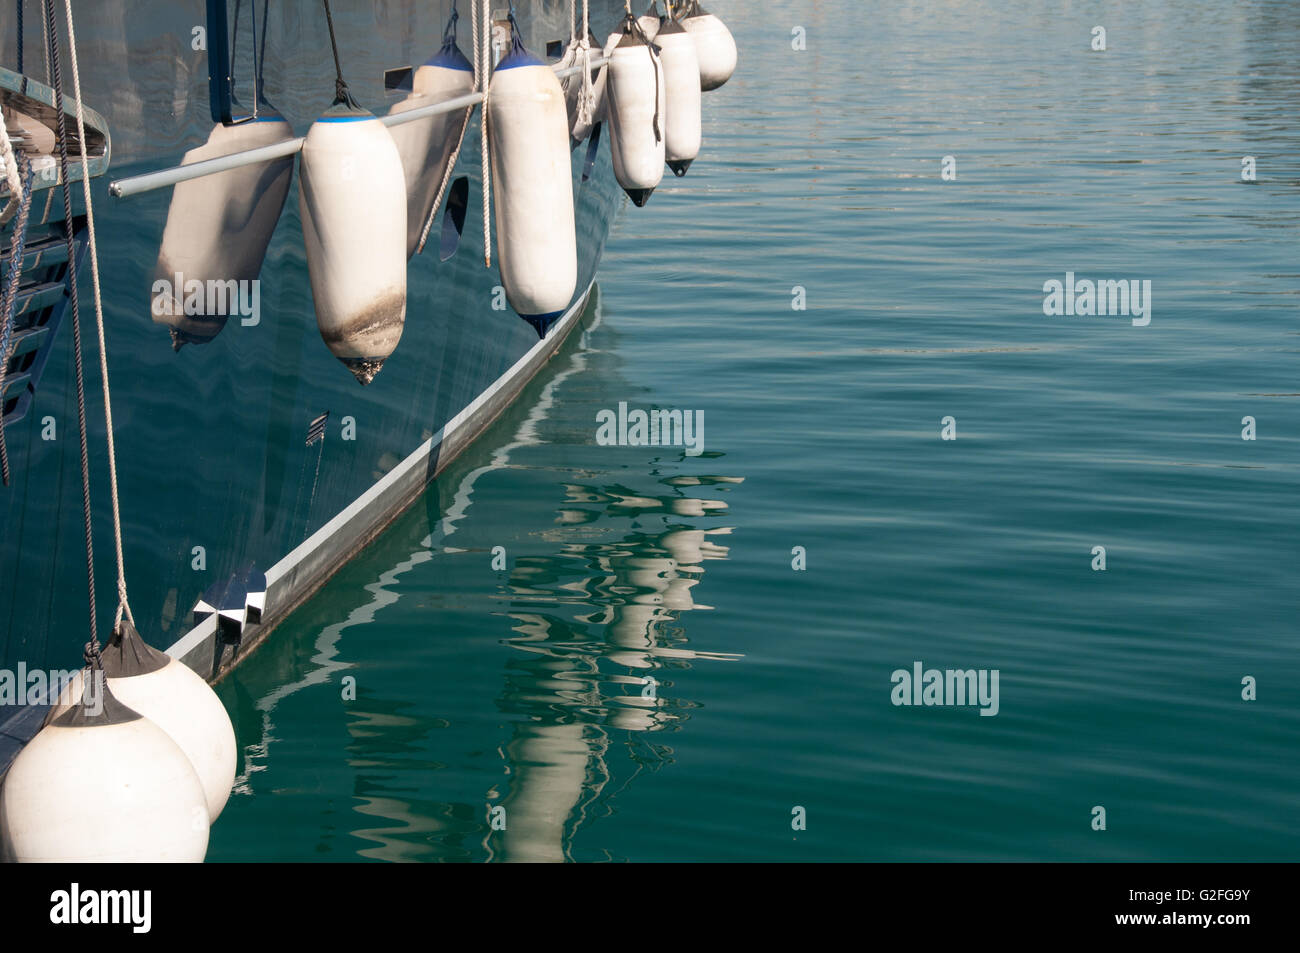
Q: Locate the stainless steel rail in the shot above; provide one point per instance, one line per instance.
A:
(136, 184)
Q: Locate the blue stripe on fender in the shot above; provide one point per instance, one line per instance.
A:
(345, 118)
(516, 60)
(450, 58)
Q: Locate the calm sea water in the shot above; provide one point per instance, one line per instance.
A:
(648, 677)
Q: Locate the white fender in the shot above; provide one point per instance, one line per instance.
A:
(106, 786)
(426, 145)
(636, 100)
(218, 228)
(612, 41)
(649, 21)
(714, 45)
(532, 185)
(352, 196)
(179, 702)
(682, 86)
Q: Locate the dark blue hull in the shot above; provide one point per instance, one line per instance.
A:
(218, 481)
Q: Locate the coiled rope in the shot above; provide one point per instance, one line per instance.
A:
(9, 306)
(123, 606)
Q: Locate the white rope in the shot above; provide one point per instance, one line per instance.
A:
(485, 86)
(578, 54)
(446, 177)
(478, 51)
(587, 98)
(11, 173)
(122, 604)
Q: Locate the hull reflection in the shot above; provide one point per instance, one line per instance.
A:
(490, 762)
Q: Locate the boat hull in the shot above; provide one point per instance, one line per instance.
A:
(220, 482)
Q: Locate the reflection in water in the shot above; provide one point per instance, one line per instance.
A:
(566, 684)
(597, 640)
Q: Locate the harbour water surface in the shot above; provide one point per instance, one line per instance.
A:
(612, 644)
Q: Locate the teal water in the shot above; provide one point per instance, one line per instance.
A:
(524, 688)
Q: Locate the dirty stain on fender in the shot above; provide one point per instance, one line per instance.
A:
(360, 340)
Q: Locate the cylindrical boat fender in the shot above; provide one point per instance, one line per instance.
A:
(426, 145)
(612, 41)
(714, 45)
(682, 96)
(635, 92)
(649, 24)
(532, 184)
(144, 800)
(352, 196)
(218, 228)
(179, 702)
(649, 21)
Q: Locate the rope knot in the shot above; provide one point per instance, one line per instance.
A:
(343, 95)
